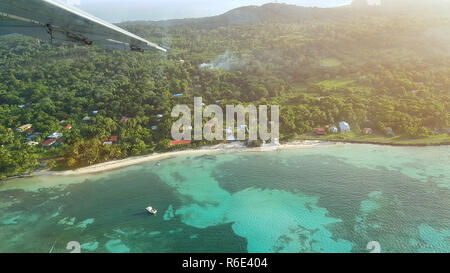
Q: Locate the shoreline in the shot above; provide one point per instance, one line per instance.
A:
(383, 141)
(219, 148)
(131, 161)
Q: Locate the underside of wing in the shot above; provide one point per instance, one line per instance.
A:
(10, 26)
(50, 19)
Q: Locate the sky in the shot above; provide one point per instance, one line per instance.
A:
(122, 10)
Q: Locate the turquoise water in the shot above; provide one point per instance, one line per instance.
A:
(328, 198)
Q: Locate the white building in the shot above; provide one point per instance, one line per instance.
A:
(229, 134)
(55, 135)
(344, 127)
(32, 143)
(276, 141)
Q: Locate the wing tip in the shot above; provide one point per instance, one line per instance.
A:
(157, 47)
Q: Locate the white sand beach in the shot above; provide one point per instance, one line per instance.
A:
(221, 148)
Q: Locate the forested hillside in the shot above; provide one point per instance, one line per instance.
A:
(368, 66)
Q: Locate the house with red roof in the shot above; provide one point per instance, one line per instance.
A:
(123, 119)
(49, 142)
(179, 142)
(320, 131)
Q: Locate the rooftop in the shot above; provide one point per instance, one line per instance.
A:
(179, 142)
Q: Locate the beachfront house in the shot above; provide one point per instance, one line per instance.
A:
(87, 118)
(229, 134)
(179, 142)
(242, 127)
(68, 127)
(345, 128)
(334, 130)
(276, 142)
(111, 141)
(390, 132)
(368, 131)
(320, 131)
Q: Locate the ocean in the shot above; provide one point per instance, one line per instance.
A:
(325, 198)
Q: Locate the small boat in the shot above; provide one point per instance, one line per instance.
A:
(151, 210)
(158, 163)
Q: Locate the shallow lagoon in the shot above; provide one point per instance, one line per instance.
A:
(327, 198)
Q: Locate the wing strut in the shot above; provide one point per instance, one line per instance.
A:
(50, 31)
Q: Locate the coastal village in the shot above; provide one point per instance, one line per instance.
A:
(341, 130)
(56, 139)
(344, 127)
(52, 144)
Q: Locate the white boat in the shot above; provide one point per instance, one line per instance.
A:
(151, 210)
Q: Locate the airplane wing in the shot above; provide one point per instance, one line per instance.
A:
(51, 19)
